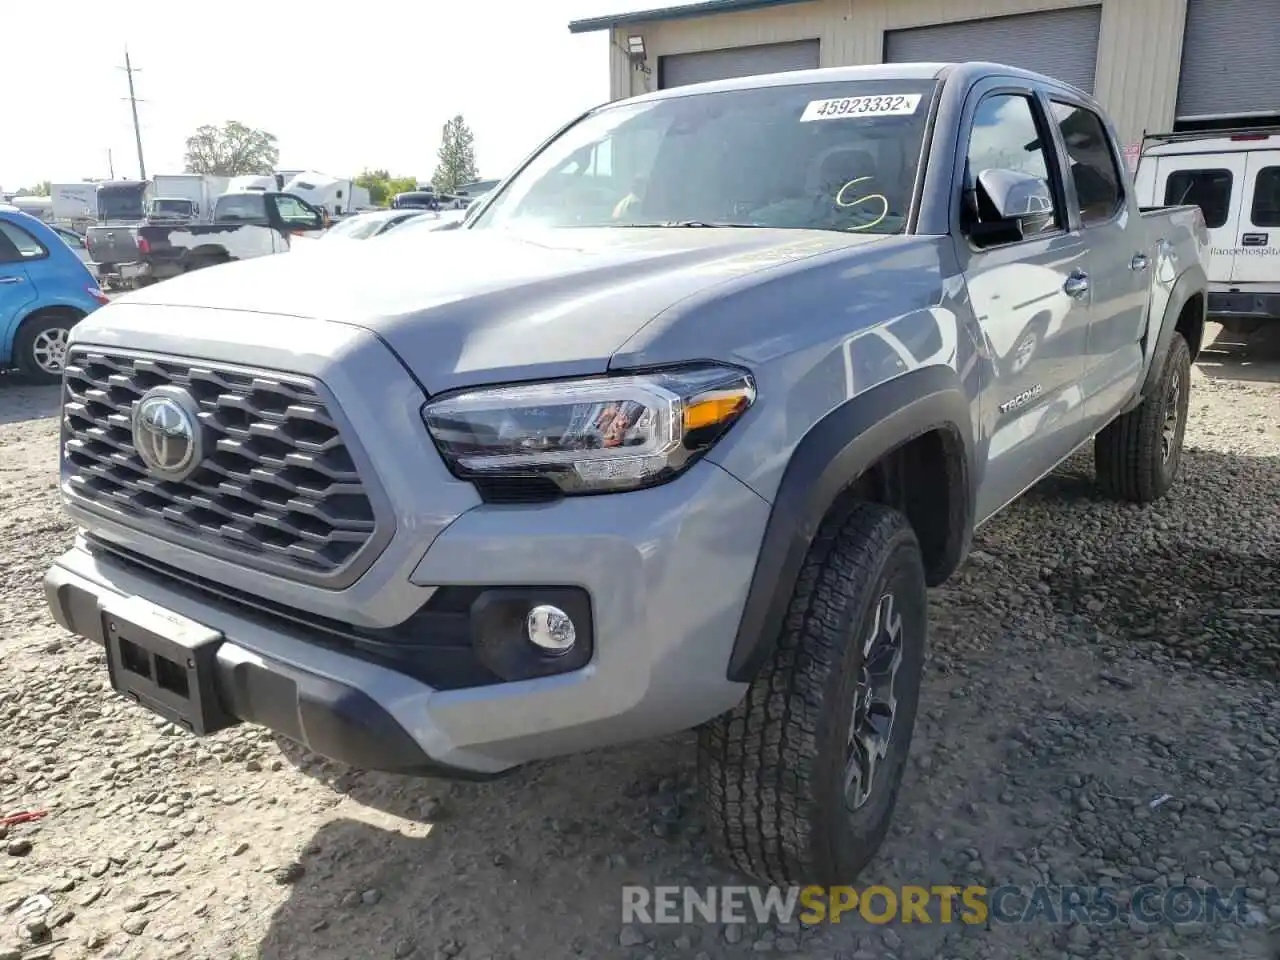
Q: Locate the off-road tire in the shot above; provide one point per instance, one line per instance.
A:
(36, 330)
(1129, 453)
(771, 771)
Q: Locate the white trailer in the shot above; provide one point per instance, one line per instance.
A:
(337, 196)
(74, 203)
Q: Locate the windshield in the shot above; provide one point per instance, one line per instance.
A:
(172, 206)
(356, 228)
(120, 204)
(831, 156)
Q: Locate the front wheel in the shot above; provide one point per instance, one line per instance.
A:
(1137, 455)
(40, 348)
(800, 779)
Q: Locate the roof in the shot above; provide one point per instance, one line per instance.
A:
(682, 12)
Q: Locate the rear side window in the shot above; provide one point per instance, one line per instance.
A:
(1266, 198)
(243, 207)
(1093, 165)
(18, 244)
(1210, 190)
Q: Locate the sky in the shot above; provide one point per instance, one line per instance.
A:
(340, 95)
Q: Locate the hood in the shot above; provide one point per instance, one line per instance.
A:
(474, 306)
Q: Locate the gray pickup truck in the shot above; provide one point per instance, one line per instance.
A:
(245, 225)
(674, 433)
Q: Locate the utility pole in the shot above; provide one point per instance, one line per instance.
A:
(130, 70)
(111, 167)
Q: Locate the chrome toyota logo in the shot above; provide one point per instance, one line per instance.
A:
(166, 433)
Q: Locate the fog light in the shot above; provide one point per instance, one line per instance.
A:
(550, 629)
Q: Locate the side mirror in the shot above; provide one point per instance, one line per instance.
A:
(1014, 195)
(1011, 205)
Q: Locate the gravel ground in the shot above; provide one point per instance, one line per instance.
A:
(1089, 658)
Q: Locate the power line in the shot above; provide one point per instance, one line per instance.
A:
(130, 70)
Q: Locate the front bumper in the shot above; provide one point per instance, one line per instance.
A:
(667, 570)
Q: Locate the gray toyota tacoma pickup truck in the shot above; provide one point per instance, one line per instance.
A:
(674, 433)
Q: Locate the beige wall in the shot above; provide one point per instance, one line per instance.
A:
(1138, 51)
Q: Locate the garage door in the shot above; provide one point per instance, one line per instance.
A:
(1230, 59)
(678, 69)
(1060, 43)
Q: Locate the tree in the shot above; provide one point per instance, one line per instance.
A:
(457, 156)
(41, 189)
(231, 150)
(382, 186)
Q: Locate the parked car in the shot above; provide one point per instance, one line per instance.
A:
(45, 290)
(676, 441)
(363, 226)
(1233, 176)
(245, 225)
(73, 240)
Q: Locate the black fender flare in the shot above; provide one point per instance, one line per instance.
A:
(837, 450)
(1191, 282)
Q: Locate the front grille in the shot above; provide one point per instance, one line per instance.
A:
(278, 488)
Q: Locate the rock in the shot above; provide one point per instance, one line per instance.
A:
(404, 948)
(1269, 877)
(18, 848)
(370, 897)
(350, 899)
(733, 933)
(431, 809)
(99, 867)
(134, 924)
(289, 873)
(10, 953)
(629, 936)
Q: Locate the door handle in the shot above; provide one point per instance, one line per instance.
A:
(10, 279)
(1077, 284)
(1140, 261)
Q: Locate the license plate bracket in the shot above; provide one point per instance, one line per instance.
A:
(165, 662)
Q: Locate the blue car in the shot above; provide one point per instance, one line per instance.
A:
(45, 290)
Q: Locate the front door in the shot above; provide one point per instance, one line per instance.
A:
(1031, 301)
(1257, 255)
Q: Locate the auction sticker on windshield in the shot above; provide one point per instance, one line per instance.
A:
(840, 108)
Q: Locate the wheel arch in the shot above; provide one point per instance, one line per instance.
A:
(865, 449)
(208, 251)
(1186, 312)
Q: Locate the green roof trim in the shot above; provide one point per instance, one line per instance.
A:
(683, 12)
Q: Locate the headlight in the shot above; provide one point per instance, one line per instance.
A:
(596, 435)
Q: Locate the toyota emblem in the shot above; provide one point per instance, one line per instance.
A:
(166, 433)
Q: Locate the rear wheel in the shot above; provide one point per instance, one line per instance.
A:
(1138, 455)
(800, 779)
(41, 345)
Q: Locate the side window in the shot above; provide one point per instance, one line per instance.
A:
(1005, 137)
(1210, 190)
(292, 211)
(246, 206)
(26, 246)
(1266, 198)
(1093, 164)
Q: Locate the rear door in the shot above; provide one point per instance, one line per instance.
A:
(1257, 255)
(16, 288)
(1214, 182)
